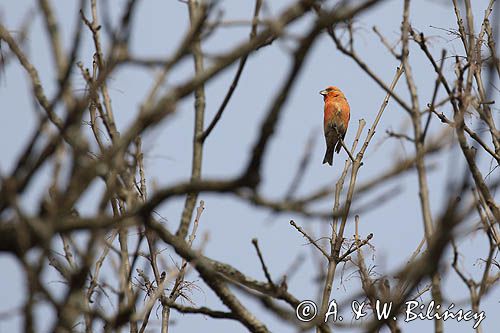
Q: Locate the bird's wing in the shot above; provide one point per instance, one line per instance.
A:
(331, 132)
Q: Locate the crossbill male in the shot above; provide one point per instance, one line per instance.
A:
(336, 119)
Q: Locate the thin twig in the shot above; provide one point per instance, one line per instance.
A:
(255, 243)
(311, 241)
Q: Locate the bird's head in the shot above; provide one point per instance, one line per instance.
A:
(331, 92)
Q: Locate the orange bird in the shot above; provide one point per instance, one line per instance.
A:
(336, 119)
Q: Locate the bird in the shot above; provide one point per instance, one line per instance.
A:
(336, 119)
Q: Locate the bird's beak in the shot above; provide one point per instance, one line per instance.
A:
(323, 92)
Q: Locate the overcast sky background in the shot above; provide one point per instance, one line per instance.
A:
(230, 223)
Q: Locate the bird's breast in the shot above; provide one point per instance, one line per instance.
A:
(333, 109)
(336, 111)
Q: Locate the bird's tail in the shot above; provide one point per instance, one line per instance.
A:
(329, 155)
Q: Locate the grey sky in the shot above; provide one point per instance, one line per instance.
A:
(230, 223)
